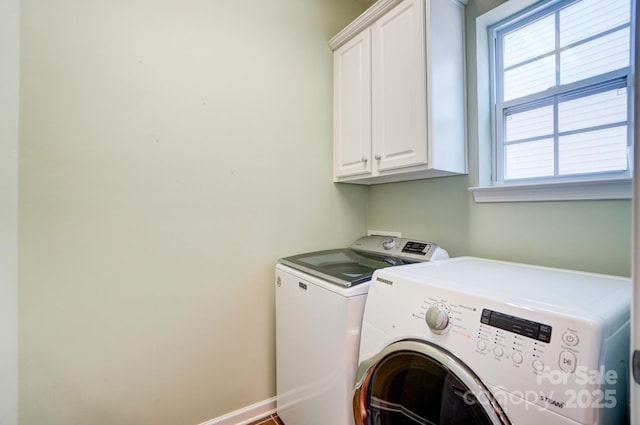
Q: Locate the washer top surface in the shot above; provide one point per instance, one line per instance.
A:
(340, 290)
(356, 264)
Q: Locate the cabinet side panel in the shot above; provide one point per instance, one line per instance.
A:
(446, 85)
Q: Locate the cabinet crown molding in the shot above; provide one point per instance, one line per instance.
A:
(369, 16)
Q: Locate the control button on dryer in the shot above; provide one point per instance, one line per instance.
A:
(538, 365)
(437, 318)
(567, 361)
(498, 351)
(545, 333)
(570, 339)
(517, 358)
(481, 345)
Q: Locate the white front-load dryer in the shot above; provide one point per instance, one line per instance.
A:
(474, 341)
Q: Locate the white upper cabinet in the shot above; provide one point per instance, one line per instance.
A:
(399, 93)
(352, 106)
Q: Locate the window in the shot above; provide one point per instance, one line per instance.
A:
(562, 89)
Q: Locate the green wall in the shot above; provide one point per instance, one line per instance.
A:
(170, 152)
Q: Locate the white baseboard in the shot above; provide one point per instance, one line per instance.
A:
(247, 414)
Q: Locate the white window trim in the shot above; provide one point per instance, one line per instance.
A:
(486, 190)
(557, 191)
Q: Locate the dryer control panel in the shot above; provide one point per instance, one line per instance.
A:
(535, 356)
(502, 336)
(517, 325)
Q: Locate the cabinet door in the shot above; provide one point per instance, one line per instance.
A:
(352, 106)
(398, 84)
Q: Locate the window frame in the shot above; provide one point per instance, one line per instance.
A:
(490, 188)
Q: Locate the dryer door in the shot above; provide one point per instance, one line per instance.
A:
(417, 383)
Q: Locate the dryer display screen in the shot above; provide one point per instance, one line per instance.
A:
(524, 327)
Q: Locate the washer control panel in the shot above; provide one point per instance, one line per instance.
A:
(405, 249)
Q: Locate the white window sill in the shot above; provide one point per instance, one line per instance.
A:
(563, 191)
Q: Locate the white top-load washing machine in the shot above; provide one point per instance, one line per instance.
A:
(474, 341)
(320, 298)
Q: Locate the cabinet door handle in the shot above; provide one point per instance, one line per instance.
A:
(363, 159)
(378, 157)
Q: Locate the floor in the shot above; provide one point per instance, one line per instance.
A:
(269, 420)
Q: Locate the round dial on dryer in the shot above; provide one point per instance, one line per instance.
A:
(438, 318)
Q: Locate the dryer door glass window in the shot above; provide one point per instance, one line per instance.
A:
(411, 388)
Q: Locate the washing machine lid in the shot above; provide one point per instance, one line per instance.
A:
(356, 264)
(343, 266)
(419, 383)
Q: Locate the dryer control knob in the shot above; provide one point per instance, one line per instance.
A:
(437, 318)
